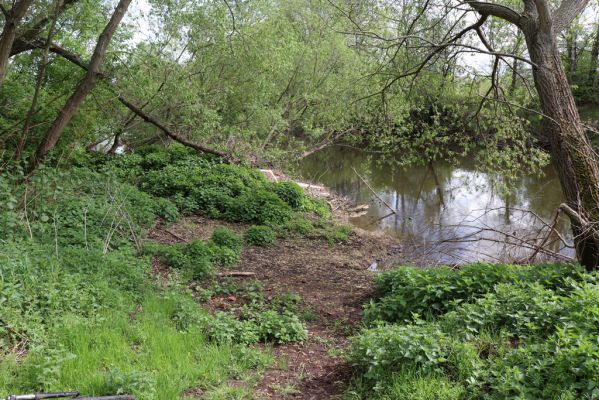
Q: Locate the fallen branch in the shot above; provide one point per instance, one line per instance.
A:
(236, 273)
(551, 230)
(173, 135)
(577, 219)
(394, 211)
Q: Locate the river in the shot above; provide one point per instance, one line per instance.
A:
(448, 214)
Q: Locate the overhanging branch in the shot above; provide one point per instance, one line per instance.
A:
(75, 59)
(495, 10)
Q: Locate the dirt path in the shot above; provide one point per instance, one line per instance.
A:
(332, 280)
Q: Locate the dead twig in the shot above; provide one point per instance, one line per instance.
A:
(375, 193)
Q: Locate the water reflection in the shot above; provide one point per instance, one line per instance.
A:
(448, 214)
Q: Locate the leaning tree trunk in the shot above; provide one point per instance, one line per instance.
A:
(571, 151)
(12, 19)
(83, 88)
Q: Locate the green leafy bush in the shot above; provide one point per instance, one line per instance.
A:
(336, 233)
(389, 348)
(297, 226)
(260, 236)
(409, 290)
(167, 210)
(261, 206)
(279, 327)
(517, 332)
(194, 259)
(566, 366)
(257, 326)
(521, 310)
(227, 238)
(224, 256)
(290, 193)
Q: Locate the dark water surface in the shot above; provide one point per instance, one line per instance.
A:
(447, 213)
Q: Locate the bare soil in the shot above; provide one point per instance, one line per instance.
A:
(332, 280)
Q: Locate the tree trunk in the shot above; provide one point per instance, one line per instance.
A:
(571, 151)
(38, 84)
(83, 88)
(12, 19)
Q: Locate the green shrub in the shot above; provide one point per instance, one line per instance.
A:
(290, 193)
(524, 311)
(227, 238)
(389, 348)
(260, 236)
(224, 256)
(297, 226)
(566, 366)
(258, 326)
(194, 259)
(224, 328)
(167, 210)
(409, 290)
(517, 332)
(261, 206)
(279, 328)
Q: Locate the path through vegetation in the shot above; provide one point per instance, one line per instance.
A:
(332, 281)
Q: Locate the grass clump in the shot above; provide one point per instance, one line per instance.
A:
(260, 236)
(504, 332)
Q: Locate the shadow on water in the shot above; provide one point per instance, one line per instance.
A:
(449, 214)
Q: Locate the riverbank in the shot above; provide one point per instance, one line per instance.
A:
(113, 283)
(172, 276)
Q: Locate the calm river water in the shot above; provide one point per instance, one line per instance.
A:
(447, 214)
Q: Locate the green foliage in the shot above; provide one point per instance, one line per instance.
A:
(408, 290)
(80, 301)
(411, 385)
(234, 193)
(256, 326)
(335, 233)
(167, 210)
(262, 206)
(260, 236)
(492, 332)
(567, 365)
(227, 238)
(194, 259)
(380, 350)
(290, 193)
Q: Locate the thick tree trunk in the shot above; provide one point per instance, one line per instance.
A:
(83, 88)
(571, 151)
(12, 19)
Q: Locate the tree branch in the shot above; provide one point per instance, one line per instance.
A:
(566, 13)
(544, 15)
(495, 10)
(173, 135)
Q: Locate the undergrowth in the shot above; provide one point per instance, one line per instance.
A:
(483, 331)
(79, 308)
